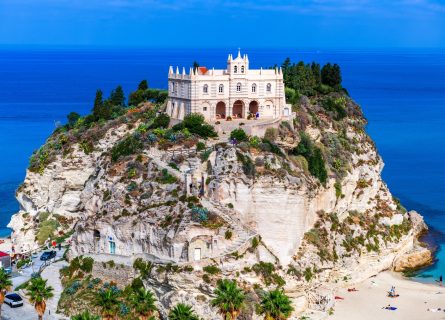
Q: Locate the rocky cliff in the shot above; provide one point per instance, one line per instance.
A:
(303, 208)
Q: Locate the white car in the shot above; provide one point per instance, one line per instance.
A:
(13, 300)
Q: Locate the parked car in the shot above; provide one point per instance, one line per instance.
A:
(48, 255)
(13, 300)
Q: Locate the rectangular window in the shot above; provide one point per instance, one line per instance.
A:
(112, 247)
(197, 254)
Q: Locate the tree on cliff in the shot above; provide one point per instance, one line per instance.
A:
(143, 85)
(117, 97)
(72, 118)
(5, 284)
(143, 303)
(275, 305)
(98, 107)
(107, 301)
(331, 75)
(39, 292)
(229, 299)
(182, 312)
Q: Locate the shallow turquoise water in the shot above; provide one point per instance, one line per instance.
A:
(401, 92)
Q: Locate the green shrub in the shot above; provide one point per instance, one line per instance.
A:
(166, 178)
(248, 165)
(336, 106)
(338, 191)
(126, 147)
(161, 121)
(87, 264)
(308, 275)
(206, 154)
(46, 230)
(144, 267)
(211, 269)
(255, 243)
(228, 234)
(271, 134)
(313, 156)
(239, 135)
(200, 146)
(23, 262)
(194, 122)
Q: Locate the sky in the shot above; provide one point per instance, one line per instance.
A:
(217, 23)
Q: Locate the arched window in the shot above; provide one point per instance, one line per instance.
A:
(238, 87)
(242, 69)
(254, 87)
(269, 87)
(235, 69)
(221, 88)
(205, 89)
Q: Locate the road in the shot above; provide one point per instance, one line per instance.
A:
(51, 272)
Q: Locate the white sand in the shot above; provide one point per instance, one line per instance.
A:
(6, 246)
(413, 303)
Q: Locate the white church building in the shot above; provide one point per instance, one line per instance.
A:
(234, 92)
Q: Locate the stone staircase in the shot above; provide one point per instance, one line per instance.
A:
(243, 233)
(184, 223)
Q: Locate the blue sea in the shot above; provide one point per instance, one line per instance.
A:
(402, 93)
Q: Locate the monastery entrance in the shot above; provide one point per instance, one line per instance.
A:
(220, 110)
(253, 107)
(238, 109)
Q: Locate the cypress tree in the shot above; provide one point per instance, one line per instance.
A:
(98, 104)
(117, 97)
(143, 85)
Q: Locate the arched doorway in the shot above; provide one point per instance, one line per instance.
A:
(253, 107)
(238, 108)
(220, 110)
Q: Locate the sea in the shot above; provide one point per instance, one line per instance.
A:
(402, 93)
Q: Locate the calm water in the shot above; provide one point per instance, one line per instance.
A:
(401, 92)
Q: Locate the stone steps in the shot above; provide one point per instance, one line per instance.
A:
(243, 233)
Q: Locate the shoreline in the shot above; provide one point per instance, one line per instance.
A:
(416, 301)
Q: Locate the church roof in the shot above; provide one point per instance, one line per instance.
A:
(202, 70)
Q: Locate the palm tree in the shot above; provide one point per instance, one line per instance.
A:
(5, 284)
(275, 305)
(39, 292)
(85, 316)
(143, 302)
(182, 312)
(107, 301)
(229, 299)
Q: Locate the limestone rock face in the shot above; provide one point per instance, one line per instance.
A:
(419, 257)
(234, 207)
(60, 189)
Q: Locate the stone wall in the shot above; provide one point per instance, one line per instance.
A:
(121, 274)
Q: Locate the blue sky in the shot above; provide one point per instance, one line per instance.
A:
(215, 23)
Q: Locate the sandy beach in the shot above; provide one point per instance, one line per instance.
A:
(413, 303)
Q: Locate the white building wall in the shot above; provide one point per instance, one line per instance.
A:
(187, 94)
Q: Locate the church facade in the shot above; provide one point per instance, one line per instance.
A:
(234, 92)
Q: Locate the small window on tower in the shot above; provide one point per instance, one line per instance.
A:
(235, 69)
(269, 87)
(204, 108)
(254, 87)
(238, 87)
(242, 69)
(221, 88)
(205, 89)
